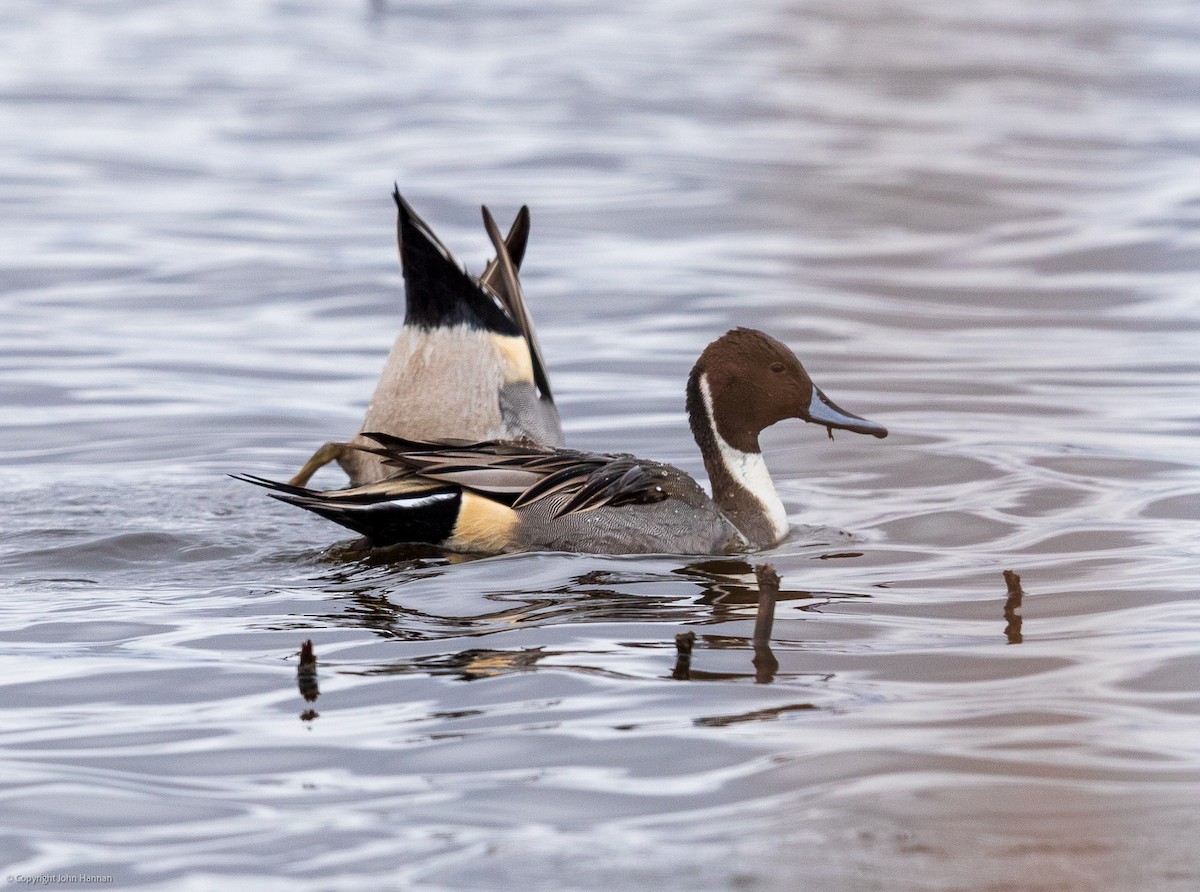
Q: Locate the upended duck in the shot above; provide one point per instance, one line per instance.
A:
(467, 361)
(500, 496)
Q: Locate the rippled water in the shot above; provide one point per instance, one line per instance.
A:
(975, 222)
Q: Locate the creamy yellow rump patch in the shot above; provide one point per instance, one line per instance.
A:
(517, 359)
(482, 525)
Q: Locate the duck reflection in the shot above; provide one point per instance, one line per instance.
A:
(1012, 619)
(730, 585)
(706, 592)
(465, 665)
(368, 589)
(700, 593)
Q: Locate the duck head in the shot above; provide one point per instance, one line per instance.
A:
(743, 382)
(753, 381)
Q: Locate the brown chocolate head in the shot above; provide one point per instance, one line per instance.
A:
(755, 381)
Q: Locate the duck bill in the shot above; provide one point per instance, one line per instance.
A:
(822, 410)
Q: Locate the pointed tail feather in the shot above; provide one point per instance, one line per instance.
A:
(516, 240)
(439, 292)
(393, 443)
(274, 485)
(515, 300)
(425, 515)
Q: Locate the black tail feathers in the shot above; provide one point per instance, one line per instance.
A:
(386, 518)
(439, 292)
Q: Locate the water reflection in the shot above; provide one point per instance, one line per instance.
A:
(385, 598)
(765, 664)
(757, 715)
(466, 665)
(414, 603)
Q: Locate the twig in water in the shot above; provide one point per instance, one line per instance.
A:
(308, 659)
(684, 642)
(1012, 628)
(306, 673)
(765, 664)
(768, 593)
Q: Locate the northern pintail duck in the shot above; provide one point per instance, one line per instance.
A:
(506, 497)
(466, 364)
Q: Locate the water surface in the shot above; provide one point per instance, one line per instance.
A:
(976, 223)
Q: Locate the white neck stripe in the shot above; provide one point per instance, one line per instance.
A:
(747, 469)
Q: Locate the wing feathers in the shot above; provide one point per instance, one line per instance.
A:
(521, 474)
(618, 483)
(471, 496)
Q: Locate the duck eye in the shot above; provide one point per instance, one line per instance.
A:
(777, 367)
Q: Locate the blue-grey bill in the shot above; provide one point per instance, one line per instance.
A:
(823, 410)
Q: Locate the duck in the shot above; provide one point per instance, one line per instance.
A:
(467, 362)
(505, 496)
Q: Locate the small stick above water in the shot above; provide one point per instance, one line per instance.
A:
(768, 593)
(1012, 619)
(765, 664)
(306, 673)
(684, 642)
(1013, 583)
(308, 659)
